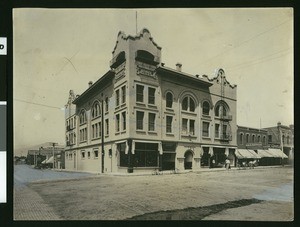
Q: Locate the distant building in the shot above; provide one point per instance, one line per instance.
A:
(147, 116)
(282, 137)
(44, 154)
(253, 145)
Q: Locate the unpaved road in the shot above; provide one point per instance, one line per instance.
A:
(106, 197)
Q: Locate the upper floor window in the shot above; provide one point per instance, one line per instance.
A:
(106, 127)
(220, 110)
(217, 130)
(106, 104)
(258, 138)
(247, 138)
(96, 110)
(264, 140)
(139, 120)
(123, 89)
(253, 138)
(151, 95)
(241, 138)
(283, 139)
(270, 138)
(188, 104)
(124, 120)
(151, 122)
(82, 117)
(206, 107)
(205, 129)
(169, 100)
(139, 93)
(288, 140)
(169, 120)
(188, 126)
(117, 97)
(117, 123)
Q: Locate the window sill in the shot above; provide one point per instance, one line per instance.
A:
(188, 112)
(152, 132)
(206, 137)
(189, 136)
(106, 136)
(152, 106)
(169, 109)
(140, 103)
(169, 134)
(140, 131)
(95, 118)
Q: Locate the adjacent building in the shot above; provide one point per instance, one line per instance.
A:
(282, 137)
(141, 115)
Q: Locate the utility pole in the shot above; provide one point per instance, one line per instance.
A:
(136, 22)
(53, 146)
(102, 135)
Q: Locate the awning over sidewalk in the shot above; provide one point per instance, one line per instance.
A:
(277, 153)
(246, 154)
(264, 154)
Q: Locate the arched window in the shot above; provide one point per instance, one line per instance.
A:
(188, 104)
(205, 108)
(82, 117)
(282, 138)
(253, 138)
(220, 110)
(288, 140)
(247, 138)
(241, 138)
(96, 110)
(258, 138)
(169, 100)
(264, 140)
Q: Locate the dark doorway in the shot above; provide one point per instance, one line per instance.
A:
(188, 160)
(168, 161)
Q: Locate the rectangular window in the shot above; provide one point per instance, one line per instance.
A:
(139, 93)
(117, 97)
(184, 126)
(217, 130)
(89, 154)
(123, 94)
(117, 123)
(139, 120)
(169, 120)
(224, 132)
(151, 122)
(93, 131)
(270, 138)
(205, 129)
(123, 161)
(95, 153)
(124, 120)
(151, 95)
(192, 127)
(82, 154)
(106, 104)
(96, 131)
(100, 129)
(106, 127)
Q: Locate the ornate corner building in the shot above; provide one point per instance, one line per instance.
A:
(142, 115)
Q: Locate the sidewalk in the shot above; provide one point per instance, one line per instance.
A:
(28, 205)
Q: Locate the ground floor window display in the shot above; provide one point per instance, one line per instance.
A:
(146, 155)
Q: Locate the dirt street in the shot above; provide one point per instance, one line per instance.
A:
(225, 195)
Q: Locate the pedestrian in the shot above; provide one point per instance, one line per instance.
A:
(213, 163)
(227, 164)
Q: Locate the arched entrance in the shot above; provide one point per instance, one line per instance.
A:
(188, 159)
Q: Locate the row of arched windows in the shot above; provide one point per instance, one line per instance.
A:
(253, 139)
(95, 111)
(189, 104)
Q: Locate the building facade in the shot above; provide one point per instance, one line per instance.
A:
(282, 137)
(142, 115)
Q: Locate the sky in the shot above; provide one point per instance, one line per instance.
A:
(56, 50)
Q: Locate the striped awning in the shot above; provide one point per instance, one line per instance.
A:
(264, 154)
(246, 154)
(277, 153)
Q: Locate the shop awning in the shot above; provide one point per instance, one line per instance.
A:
(277, 153)
(264, 154)
(246, 154)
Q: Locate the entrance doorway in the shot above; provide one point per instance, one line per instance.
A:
(188, 160)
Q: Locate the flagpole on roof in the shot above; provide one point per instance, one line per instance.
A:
(136, 22)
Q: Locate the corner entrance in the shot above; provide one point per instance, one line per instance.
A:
(188, 160)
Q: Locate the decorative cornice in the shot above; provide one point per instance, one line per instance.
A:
(219, 73)
(122, 35)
